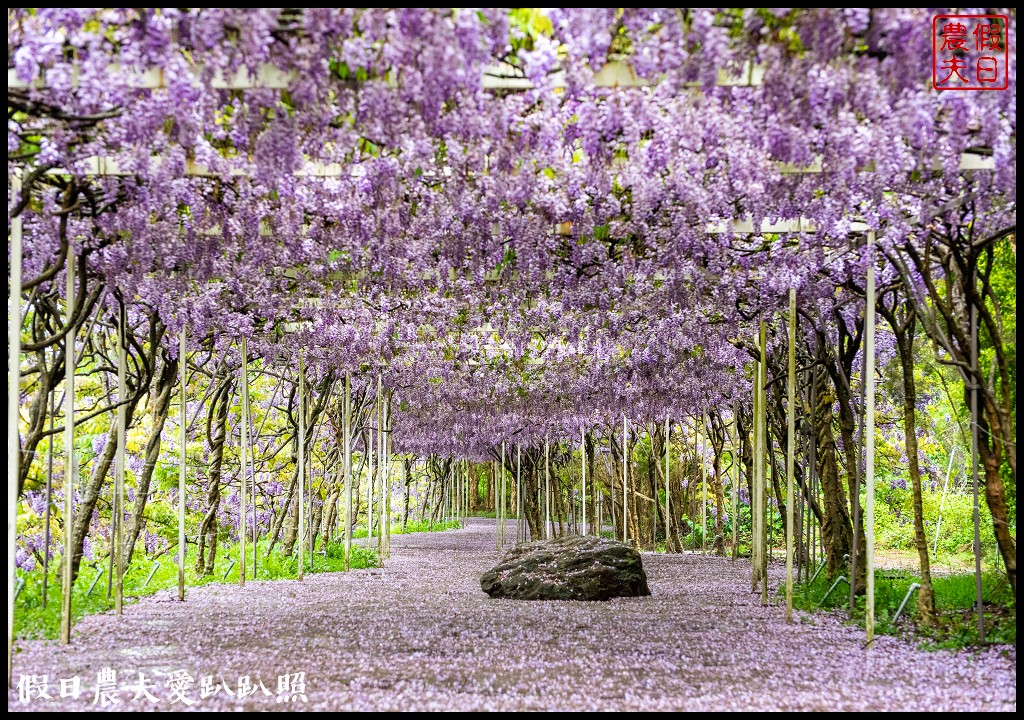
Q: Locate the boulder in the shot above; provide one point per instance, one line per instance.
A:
(568, 568)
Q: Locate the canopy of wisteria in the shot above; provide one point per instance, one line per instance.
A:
(458, 200)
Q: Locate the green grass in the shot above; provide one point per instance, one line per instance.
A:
(413, 526)
(33, 621)
(956, 622)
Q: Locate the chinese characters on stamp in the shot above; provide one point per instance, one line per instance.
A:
(970, 52)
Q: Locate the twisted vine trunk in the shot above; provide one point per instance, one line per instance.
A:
(90, 494)
(313, 411)
(903, 330)
(48, 379)
(836, 526)
(290, 516)
(160, 408)
(926, 595)
(531, 482)
(744, 426)
(717, 437)
(216, 433)
(407, 467)
(316, 517)
(990, 450)
(330, 514)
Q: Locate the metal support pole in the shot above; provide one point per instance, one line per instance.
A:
(49, 498)
(654, 496)
(504, 497)
(763, 421)
(547, 490)
(668, 485)
(790, 455)
(95, 580)
(869, 445)
(182, 441)
(70, 462)
(497, 505)
(858, 481)
(814, 460)
(910, 591)
(583, 476)
(508, 492)
(253, 439)
(368, 450)
(702, 442)
(736, 480)
(974, 467)
(302, 464)
(942, 502)
(348, 469)
(755, 451)
(625, 479)
(14, 412)
(755, 495)
(309, 493)
(841, 578)
(378, 480)
(243, 471)
(817, 572)
(156, 566)
(520, 531)
(117, 546)
(386, 473)
(227, 572)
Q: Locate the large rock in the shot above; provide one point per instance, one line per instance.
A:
(568, 568)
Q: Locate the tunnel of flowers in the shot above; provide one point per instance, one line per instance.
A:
(316, 313)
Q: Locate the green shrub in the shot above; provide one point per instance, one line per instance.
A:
(33, 621)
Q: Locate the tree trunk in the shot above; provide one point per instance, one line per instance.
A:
(490, 486)
(531, 479)
(316, 517)
(330, 514)
(847, 430)
(48, 378)
(904, 333)
(717, 436)
(744, 425)
(836, 528)
(407, 465)
(216, 433)
(995, 496)
(291, 516)
(161, 406)
(90, 494)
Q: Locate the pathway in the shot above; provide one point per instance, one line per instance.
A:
(420, 635)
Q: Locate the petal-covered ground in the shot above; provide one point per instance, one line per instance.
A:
(419, 634)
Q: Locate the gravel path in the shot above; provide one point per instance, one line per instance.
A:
(420, 635)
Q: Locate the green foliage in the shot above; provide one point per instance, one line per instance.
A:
(894, 520)
(414, 526)
(32, 620)
(333, 560)
(956, 624)
(527, 25)
(1003, 279)
(957, 592)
